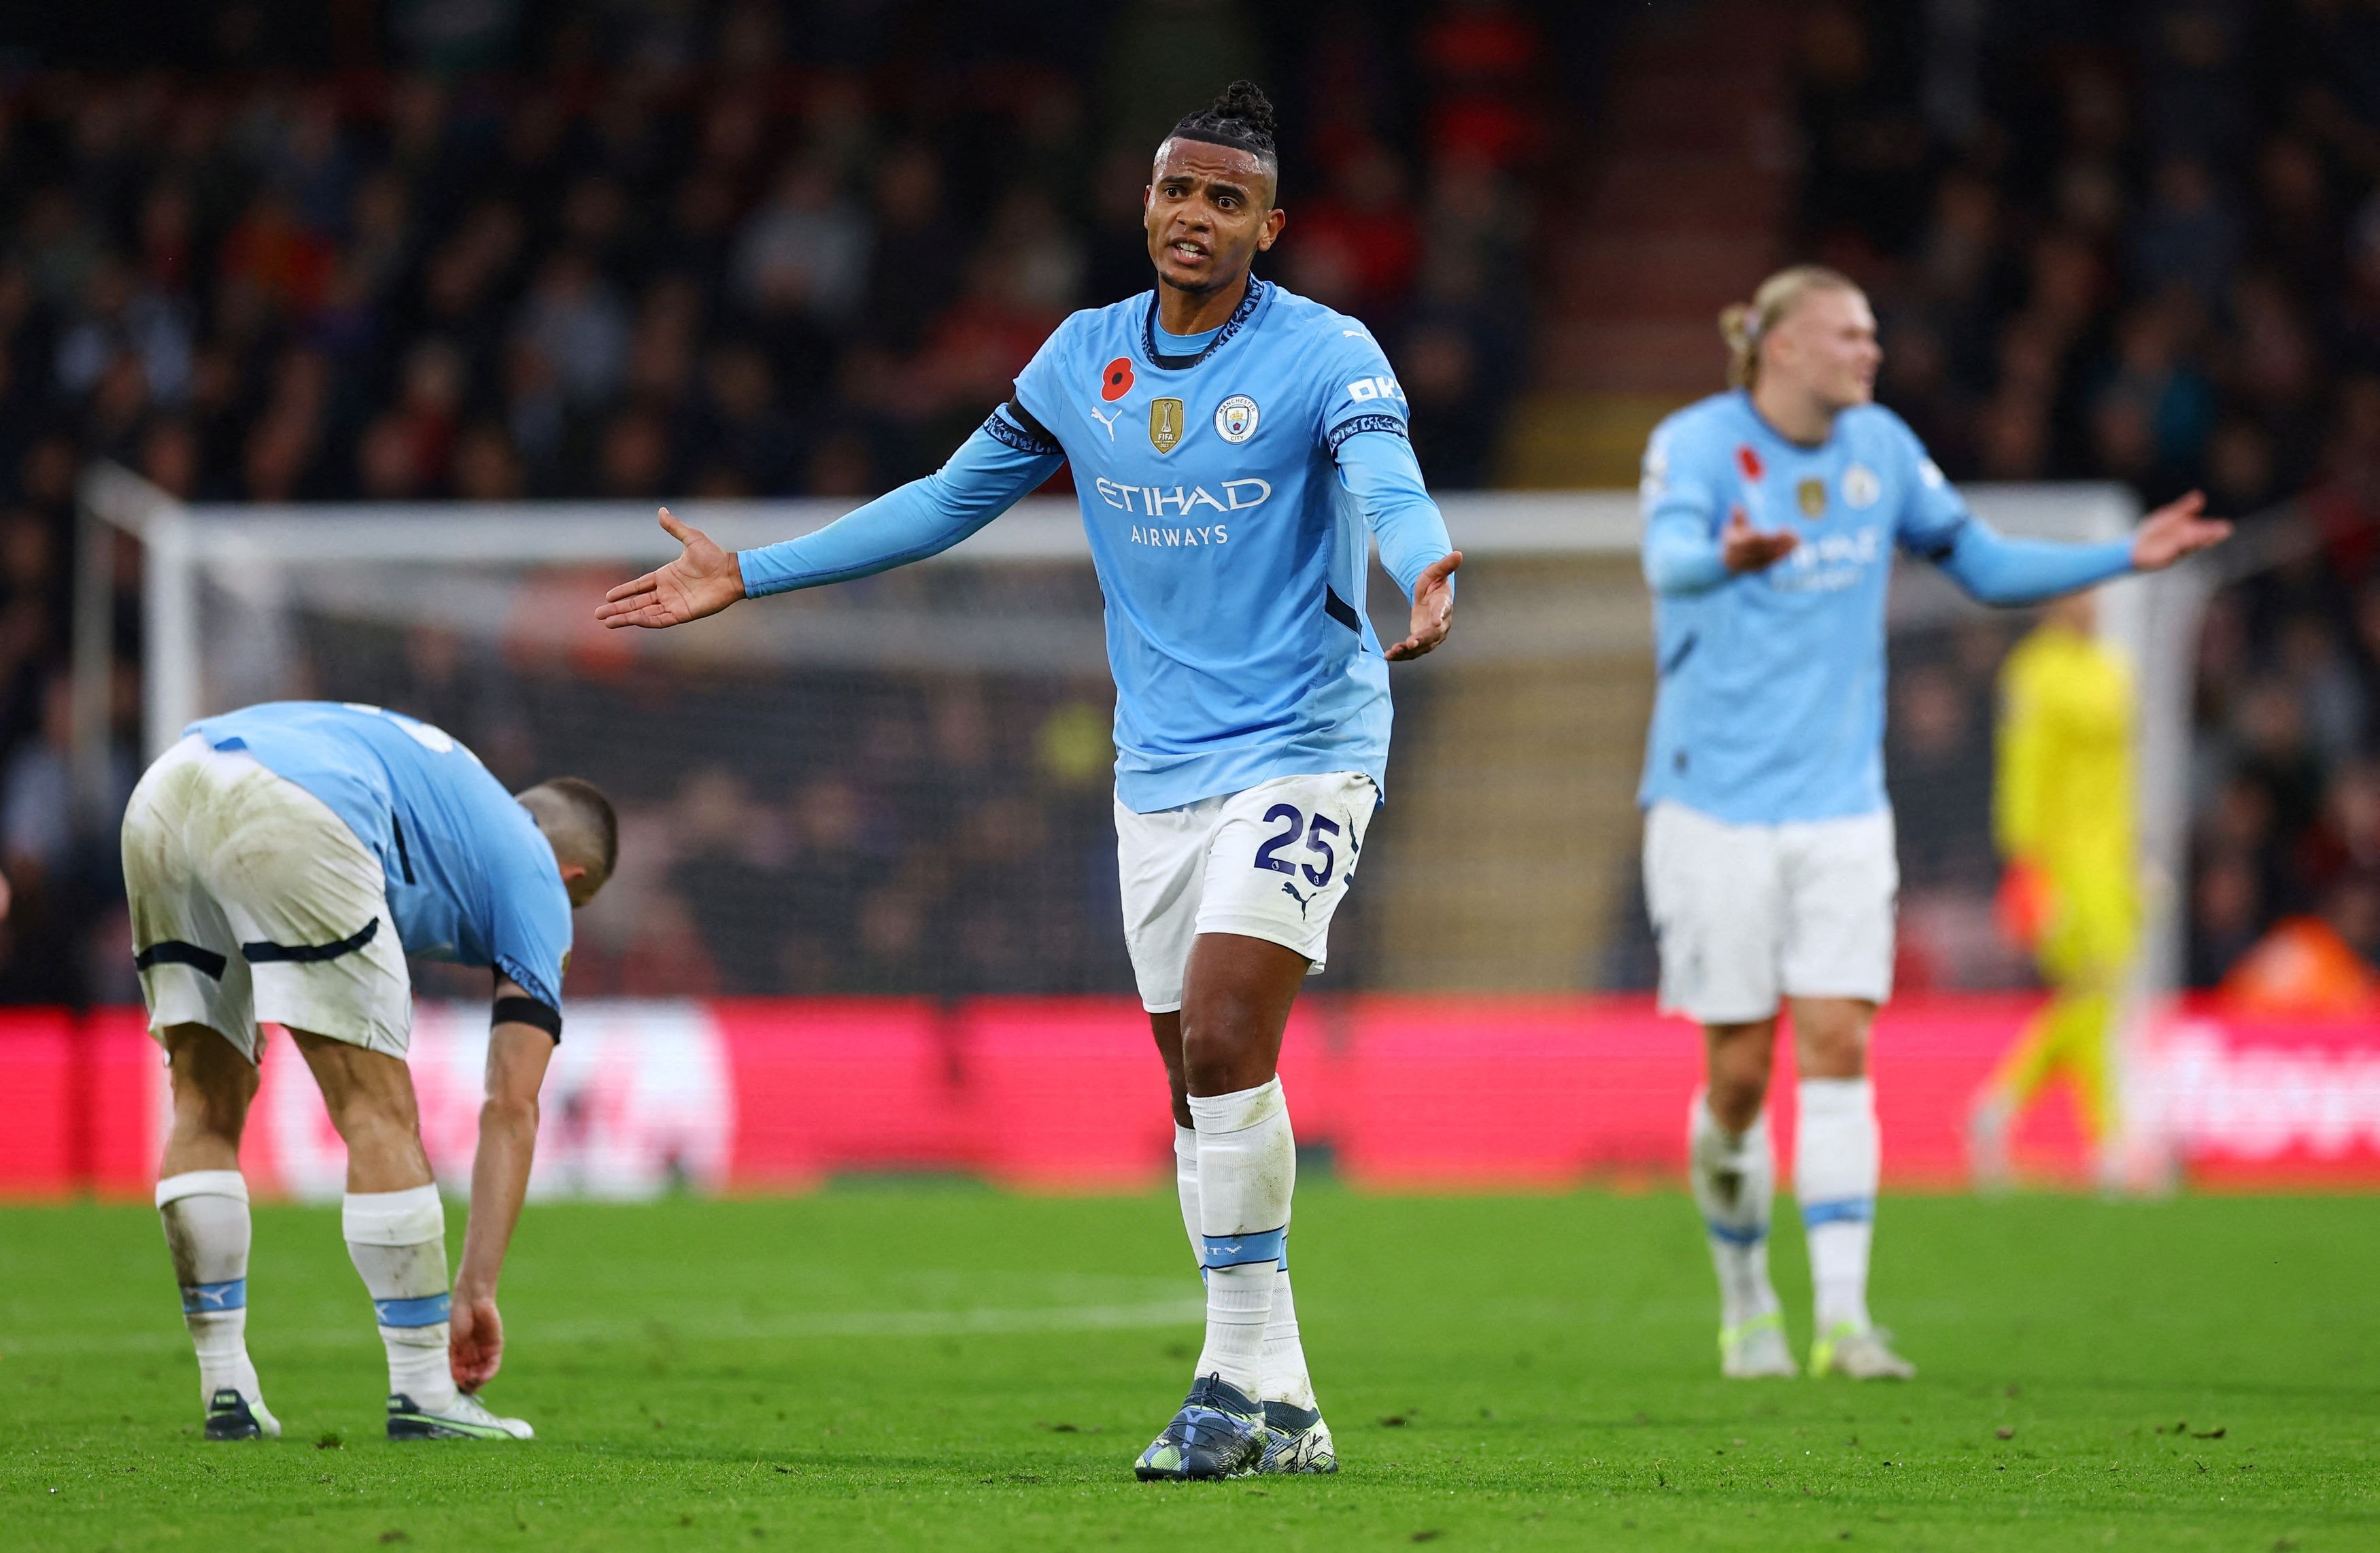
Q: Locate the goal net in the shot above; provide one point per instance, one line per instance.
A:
(903, 783)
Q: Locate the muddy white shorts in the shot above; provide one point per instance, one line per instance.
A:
(1271, 862)
(1744, 914)
(251, 901)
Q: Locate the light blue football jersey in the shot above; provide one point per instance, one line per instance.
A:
(1230, 552)
(470, 877)
(1770, 706)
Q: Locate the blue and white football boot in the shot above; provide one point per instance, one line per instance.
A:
(231, 1416)
(468, 1418)
(1296, 1440)
(1219, 1433)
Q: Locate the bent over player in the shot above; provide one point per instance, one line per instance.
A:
(281, 862)
(1230, 444)
(1772, 513)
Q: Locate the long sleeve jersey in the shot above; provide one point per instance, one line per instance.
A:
(1770, 704)
(1227, 483)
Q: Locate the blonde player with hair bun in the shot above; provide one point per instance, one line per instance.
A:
(1742, 325)
(1772, 512)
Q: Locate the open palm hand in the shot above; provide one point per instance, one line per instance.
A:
(701, 581)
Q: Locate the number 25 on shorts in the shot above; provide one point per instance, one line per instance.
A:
(1294, 823)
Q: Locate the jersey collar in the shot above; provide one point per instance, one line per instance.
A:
(1258, 290)
(1743, 396)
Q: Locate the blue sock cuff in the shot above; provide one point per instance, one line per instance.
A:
(1735, 1235)
(1844, 1210)
(1241, 1251)
(198, 1297)
(427, 1311)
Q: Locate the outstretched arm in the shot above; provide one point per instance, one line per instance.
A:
(518, 1055)
(987, 475)
(1378, 468)
(1994, 569)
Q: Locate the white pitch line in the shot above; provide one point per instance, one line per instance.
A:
(976, 1321)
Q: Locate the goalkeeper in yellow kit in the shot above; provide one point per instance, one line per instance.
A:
(2062, 809)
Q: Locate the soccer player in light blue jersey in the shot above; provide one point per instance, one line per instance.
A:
(281, 862)
(1771, 517)
(1233, 447)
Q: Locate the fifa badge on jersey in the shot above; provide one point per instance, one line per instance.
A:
(1812, 494)
(1861, 488)
(1235, 419)
(1165, 424)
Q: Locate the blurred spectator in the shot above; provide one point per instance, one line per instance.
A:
(806, 250)
(574, 319)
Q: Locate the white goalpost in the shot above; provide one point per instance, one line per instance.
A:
(230, 594)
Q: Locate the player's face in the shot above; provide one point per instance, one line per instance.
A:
(1208, 211)
(1828, 346)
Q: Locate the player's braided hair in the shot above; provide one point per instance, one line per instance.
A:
(1743, 324)
(1241, 117)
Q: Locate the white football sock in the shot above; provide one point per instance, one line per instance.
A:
(1734, 1181)
(1837, 1160)
(1185, 1186)
(205, 1216)
(1247, 1172)
(397, 1241)
(1284, 1377)
(1283, 1373)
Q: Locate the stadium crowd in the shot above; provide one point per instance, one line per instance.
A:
(2141, 243)
(258, 252)
(277, 252)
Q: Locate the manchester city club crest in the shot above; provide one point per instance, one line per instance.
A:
(1165, 424)
(1861, 488)
(1235, 419)
(1812, 494)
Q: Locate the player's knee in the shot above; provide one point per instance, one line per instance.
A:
(1834, 1051)
(1738, 1087)
(212, 1082)
(1736, 1097)
(373, 1112)
(1217, 1054)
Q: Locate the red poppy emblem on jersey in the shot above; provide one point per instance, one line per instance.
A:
(1116, 381)
(1748, 461)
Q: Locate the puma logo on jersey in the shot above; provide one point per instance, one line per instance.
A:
(1107, 421)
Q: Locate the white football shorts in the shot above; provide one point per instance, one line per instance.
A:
(1744, 914)
(251, 901)
(1271, 862)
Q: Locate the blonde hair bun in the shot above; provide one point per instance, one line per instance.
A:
(1744, 325)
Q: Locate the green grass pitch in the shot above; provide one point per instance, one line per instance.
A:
(944, 1366)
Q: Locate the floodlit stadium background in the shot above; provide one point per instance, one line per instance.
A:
(503, 252)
